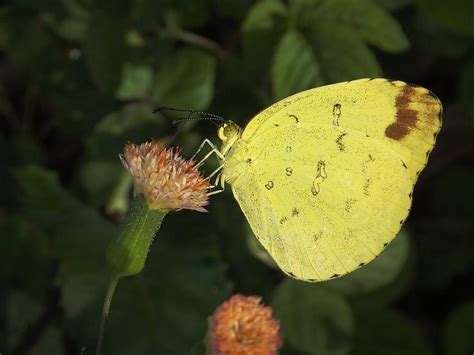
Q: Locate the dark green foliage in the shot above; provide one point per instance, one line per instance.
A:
(80, 78)
(314, 320)
(384, 331)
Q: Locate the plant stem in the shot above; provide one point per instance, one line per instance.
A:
(105, 309)
(194, 39)
(126, 255)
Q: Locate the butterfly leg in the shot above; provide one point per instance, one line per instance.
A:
(200, 148)
(215, 192)
(215, 172)
(218, 181)
(214, 150)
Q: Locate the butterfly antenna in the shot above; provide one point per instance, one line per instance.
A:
(200, 115)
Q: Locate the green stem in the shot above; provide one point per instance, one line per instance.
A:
(105, 309)
(194, 39)
(126, 255)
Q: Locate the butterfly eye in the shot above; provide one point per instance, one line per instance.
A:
(221, 132)
(227, 131)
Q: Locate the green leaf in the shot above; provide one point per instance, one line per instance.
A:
(313, 319)
(237, 98)
(26, 252)
(378, 273)
(455, 14)
(364, 17)
(432, 38)
(17, 152)
(457, 221)
(26, 41)
(185, 79)
(69, 20)
(295, 67)
(264, 15)
(466, 89)
(394, 4)
(387, 330)
(70, 28)
(105, 50)
(133, 123)
(390, 293)
(458, 332)
(22, 311)
(262, 29)
(99, 178)
(118, 201)
(342, 55)
(51, 342)
(232, 8)
(189, 14)
(147, 13)
(136, 81)
(77, 101)
(77, 235)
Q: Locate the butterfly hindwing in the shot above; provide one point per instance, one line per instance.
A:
(323, 212)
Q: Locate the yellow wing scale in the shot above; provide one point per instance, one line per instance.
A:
(325, 176)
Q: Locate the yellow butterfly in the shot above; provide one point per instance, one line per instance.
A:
(325, 177)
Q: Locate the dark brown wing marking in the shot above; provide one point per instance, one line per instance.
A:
(406, 118)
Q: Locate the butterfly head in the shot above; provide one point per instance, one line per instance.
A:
(228, 133)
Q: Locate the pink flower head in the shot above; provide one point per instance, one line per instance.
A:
(166, 180)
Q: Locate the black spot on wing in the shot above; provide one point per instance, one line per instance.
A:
(339, 142)
(297, 120)
(336, 114)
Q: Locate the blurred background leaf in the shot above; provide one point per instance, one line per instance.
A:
(295, 67)
(387, 332)
(261, 31)
(314, 320)
(458, 330)
(378, 273)
(185, 80)
(455, 15)
(105, 49)
(80, 78)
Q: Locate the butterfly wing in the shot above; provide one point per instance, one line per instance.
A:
(324, 190)
(404, 117)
